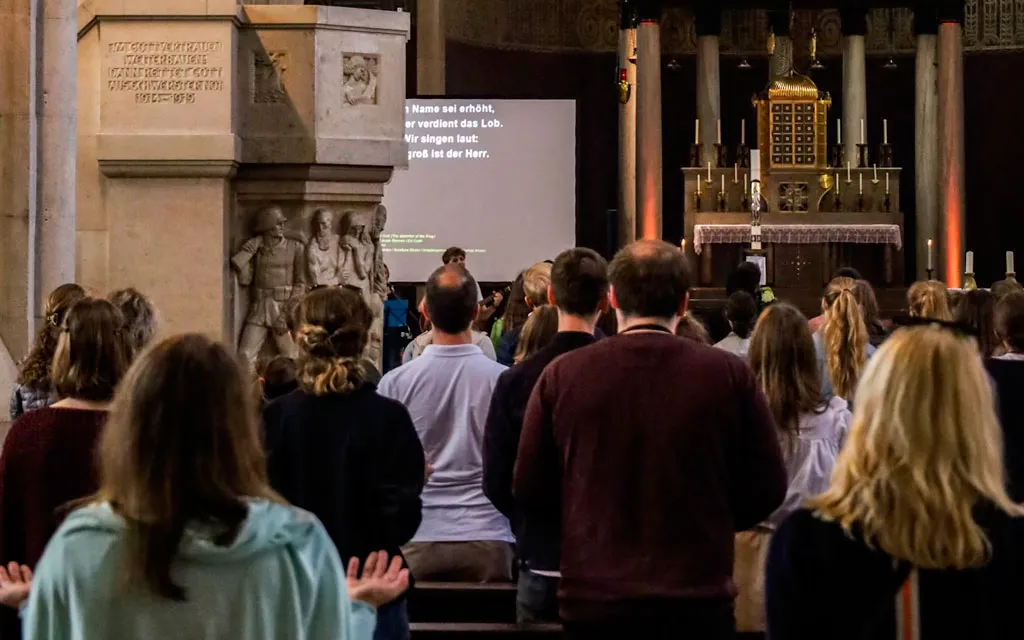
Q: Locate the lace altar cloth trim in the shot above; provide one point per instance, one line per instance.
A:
(797, 234)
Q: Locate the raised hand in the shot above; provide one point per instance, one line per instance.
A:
(380, 582)
(15, 584)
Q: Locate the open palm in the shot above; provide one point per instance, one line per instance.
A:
(381, 582)
(15, 584)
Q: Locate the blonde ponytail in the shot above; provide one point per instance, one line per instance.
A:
(929, 299)
(845, 337)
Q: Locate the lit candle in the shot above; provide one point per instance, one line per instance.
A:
(848, 177)
(709, 171)
(743, 132)
(1009, 262)
(875, 169)
(970, 262)
(886, 183)
(862, 132)
(696, 132)
(839, 131)
(885, 132)
(929, 254)
(860, 183)
(718, 127)
(682, 245)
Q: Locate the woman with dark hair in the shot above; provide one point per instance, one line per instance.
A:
(741, 312)
(34, 389)
(340, 450)
(865, 295)
(47, 458)
(185, 539)
(976, 309)
(514, 314)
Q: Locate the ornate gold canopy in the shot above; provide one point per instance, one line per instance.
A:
(792, 119)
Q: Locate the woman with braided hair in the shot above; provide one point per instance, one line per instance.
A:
(341, 451)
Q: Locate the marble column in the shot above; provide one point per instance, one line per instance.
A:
(430, 48)
(926, 148)
(709, 109)
(648, 125)
(855, 93)
(627, 128)
(57, 83)
(952, 201)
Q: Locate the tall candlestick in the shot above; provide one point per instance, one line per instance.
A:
(885, 132)
(743, 132)
(860, 183)
(886, 183)
(970, 262)
(1009, 262)
(696, 132)
(862, 139)
(848, 176)
(875, 169)
(929, 254)
(718, 128)
(839, 131)
(709, 171)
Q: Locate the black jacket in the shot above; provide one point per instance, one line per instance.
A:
(354, 461)
(537, 535)
(1008, 378)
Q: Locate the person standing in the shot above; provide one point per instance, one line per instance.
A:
(659, 449)
(579, 291)
(536, 281)
(447, 391)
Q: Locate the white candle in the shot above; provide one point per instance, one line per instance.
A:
(696, 132)
(837, 183)
(885, 132)
(682, 245)
(718, 127)
(698, 185)
(862, 132)
(709, 171)
(929, 254)
(1009, 262)
(874, 167)
(746, 185)
(860, 183)
(743, 132)
(839, 131)
(886, 183)
(848, 177)
(723, 183)
(735, 172)
(970, 262)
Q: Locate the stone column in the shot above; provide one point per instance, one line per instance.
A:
(648, 122)
(430, 47)
(709, 110)
(952, 201)
(627, 126)
(782, 59)
(926, 134)
(855, 94)
(57, 80)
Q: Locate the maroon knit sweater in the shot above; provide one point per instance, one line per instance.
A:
(48, 460)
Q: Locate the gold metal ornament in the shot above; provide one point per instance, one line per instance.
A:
(771, 43)
(625, 91)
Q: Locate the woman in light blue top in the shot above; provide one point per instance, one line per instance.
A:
(185, 539)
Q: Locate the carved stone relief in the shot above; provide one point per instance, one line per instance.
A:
(268, 71)
(360, 78)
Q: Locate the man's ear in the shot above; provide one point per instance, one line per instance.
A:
(476, 314)
(612, 299)
(551, 296)
(684, 304)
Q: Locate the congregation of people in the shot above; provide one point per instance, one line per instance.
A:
(577, 433)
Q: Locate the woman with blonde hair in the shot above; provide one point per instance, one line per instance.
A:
(139, 317)
(811, 430)
(928, 299)
(185, 539)
(34, 389)
(916, 533)
(842, 344)
(339, 449)
(538, 332)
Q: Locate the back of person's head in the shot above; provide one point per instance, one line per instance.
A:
(1009, 321)
(35, 370)
(782, 357)
(453, 253)
(845, 336)
(538, 332)
(516, 310)
(579, 282)
(92, 354)
(332, 337)
(451, 300)
(691, 328)
(280, 377)
(924, 449)
(848, 272)
(928, 299)
(741, 312)
(745, 277)
(180, 446)
(649, 279)
(977, 310)
(1003, 288)
(536, 281)
(868, 302)
(139, 317)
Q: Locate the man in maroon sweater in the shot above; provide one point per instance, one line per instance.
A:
(663, 448)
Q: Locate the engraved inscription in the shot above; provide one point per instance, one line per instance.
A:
(268, 71)
(165, 72)
(360, 81)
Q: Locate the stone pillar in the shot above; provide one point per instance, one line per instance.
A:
(627, 126)
(855, 94)
(430, 48)
(709, 110)
(952, 201)
(782, 59)
(926, 135)
(648, 122)
(57, 79)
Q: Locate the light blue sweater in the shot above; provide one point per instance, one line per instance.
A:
(280, 579)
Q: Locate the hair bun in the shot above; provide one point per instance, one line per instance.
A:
(315, 340)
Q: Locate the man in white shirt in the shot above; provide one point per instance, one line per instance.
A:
(447, 390)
